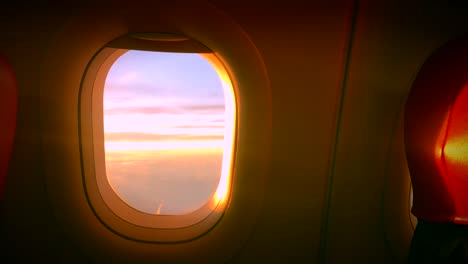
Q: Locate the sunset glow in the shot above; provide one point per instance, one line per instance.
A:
(456, 150)
(169, 128)
(456, 147)
(452, 152)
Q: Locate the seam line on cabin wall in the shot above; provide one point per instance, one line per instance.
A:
(323, 246)
(388, 156)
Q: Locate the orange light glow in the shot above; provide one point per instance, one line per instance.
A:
(222, 192)
(455, 153)
(456, 147)
(158, 211)
(167, 145)
(456, 150)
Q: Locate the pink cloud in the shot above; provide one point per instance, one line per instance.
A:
(181, 109)
(139, 137)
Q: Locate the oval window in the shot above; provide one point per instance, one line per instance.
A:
(168, 123)
(162, 126)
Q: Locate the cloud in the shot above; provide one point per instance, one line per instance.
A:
(138, 88)
(116, 98)
(141, 110)
(128, 77)
(204, 108)
(196, 126)
(135, 89)
(176, 183)
(180, 109)
(143, 137)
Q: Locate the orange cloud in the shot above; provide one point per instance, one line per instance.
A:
(141, 110)
(139, 137)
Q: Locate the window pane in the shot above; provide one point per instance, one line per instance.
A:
(164, 119)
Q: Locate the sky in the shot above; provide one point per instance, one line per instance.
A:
(164, 130)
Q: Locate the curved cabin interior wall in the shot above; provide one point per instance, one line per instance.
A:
(337, 187)
(8, 108)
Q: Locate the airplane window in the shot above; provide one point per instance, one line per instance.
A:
(168, 130)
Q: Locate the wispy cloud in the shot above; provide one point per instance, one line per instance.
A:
(180, 109)
(135, 88)
(204, 108)
(142, 110)
(128, 77)
(141, 137)
(196, 126)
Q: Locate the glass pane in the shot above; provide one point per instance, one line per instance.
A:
(164, 119)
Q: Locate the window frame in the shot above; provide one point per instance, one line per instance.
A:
(66, 58)
(100, 194)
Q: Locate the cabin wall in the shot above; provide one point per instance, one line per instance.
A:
(370, 190)
(29, 229)
(304, 49)
(337, 189)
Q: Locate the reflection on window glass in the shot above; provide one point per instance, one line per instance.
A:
(164, 128)
(414, 220)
